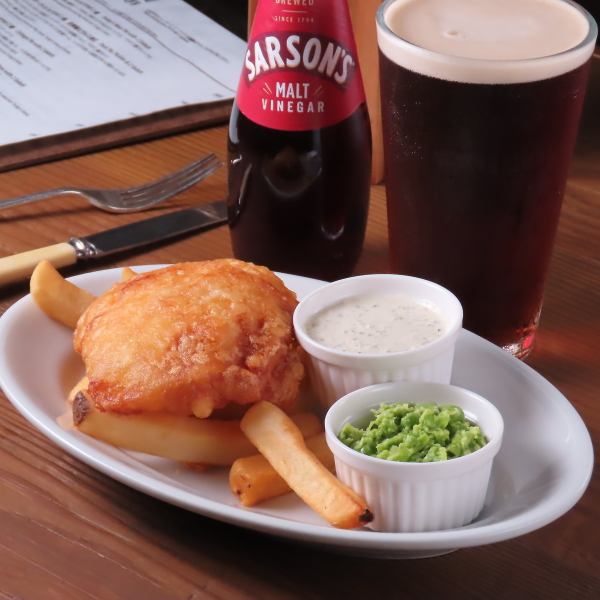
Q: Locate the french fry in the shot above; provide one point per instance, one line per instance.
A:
(58, 298)
(127, 274)
(185, 439)
(80, 386)
(308, 423)
(280, 442)
(252, 479)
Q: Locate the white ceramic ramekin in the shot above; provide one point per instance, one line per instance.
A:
(335, 373)
(409, 497)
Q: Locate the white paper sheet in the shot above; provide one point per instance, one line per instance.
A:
(72, 64)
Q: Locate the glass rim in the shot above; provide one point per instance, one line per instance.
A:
(587, 40)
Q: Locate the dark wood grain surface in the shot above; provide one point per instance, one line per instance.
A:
(68, 532)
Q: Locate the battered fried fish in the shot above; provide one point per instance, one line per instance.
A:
(191, 338)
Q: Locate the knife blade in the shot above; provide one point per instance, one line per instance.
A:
(133, 235)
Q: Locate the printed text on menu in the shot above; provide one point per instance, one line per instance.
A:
(71, 64)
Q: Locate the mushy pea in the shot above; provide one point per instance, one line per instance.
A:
(407, 432)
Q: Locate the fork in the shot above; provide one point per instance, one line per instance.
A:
(136, 198)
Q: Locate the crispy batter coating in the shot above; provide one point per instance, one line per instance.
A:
(191, 338)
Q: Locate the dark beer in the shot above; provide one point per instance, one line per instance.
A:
(475, 188)
(475, 175)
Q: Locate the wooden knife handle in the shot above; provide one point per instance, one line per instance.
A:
(20, 266)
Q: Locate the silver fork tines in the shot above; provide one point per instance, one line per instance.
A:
(135, 198)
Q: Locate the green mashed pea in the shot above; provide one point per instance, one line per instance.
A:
(409, 432)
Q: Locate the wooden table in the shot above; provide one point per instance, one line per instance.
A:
(67, 531)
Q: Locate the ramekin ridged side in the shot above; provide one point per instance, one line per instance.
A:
(331, 381)
(434, 505)
(335, 373)
(411, 497)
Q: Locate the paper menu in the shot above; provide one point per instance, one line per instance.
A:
(68, 65)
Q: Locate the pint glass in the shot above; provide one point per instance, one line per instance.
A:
(481, 102)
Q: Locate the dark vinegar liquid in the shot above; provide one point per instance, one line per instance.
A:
(298, 201)
(475, 176)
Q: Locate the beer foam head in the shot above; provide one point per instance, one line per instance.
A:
(486, 41)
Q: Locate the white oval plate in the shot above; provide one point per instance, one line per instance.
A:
(542, 470)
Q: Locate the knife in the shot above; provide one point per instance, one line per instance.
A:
(156, 229)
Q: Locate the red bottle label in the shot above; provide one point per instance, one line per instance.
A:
(301, 68)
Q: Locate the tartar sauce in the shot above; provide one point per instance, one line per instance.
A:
(376, 324)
